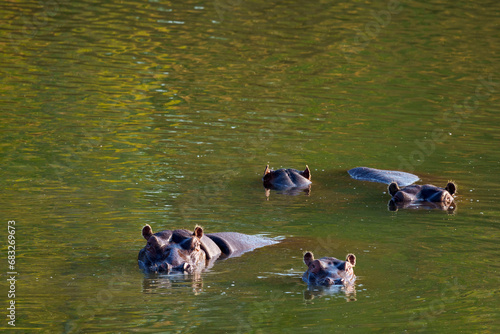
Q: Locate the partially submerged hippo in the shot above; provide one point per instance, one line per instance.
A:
(414, 196)
(329, 271)
(185, 251)
(286, 179)
(417, 194)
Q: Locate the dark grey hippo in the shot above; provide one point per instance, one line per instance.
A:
(287, 180)
(382, 176)
(410, 195)
(329, 271)
(186, 251)
(422, 195)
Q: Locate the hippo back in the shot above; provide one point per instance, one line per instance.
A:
(234, 244)
(383, 176)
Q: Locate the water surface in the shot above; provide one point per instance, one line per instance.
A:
(118, 114)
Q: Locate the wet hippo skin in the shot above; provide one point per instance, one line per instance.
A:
(186, 251)
(423, 193)
(329, 271)
(382, 176)
(284, 179)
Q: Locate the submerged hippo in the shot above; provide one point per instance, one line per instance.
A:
(185, 251)
(329, 271)
(416, 194)
(286, 179)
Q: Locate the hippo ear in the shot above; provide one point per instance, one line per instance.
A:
(147, 232)
(198, 232)
(393, 188)
(351, 258)
(451, 188)
(307, 173)
(267, 171)
(308, 258)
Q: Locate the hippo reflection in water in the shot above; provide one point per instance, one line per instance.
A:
(290, 181)
(184, 251)
(329, 271)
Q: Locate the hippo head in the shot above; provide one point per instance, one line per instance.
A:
(424, 193)
(283, 179)
(329, 271)
(167, 251)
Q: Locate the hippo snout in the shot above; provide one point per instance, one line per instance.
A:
(165, 267)
(338, 281)
(324, 279)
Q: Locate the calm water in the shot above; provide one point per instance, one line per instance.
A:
(117, 114)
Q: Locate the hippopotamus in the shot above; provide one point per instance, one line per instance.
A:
(287, 179)
(382, 176)
(185, 251)
(417, 194)
(395, 206)
(329, 271)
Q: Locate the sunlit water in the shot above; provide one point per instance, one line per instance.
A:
(118, 114)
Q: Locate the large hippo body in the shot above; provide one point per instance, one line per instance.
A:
(185, 251)
(329, 271)
(287, 179)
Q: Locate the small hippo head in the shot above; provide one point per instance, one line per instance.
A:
(283, 179)
(423, 193)
(167, 251)
(329, 271)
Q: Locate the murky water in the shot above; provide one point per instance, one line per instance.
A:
(118, 114)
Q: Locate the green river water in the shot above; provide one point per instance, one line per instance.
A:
(117, 114)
